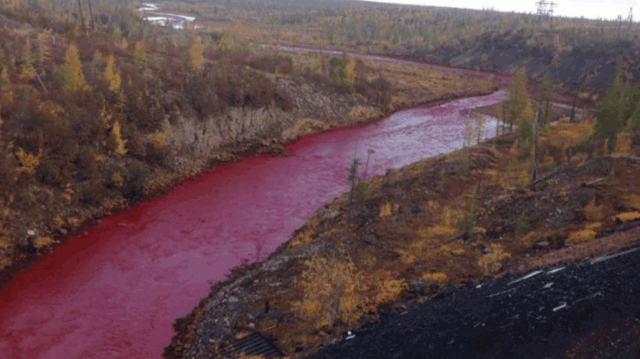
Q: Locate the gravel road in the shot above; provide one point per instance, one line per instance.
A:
(587, 310)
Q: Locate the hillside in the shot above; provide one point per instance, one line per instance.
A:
(93, 121)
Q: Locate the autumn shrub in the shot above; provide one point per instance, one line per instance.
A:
(282, 64)
(92, 193)
(333, 289)
(135, 180)
(521, 225)
(86, 164)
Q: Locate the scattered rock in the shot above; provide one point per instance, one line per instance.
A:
(31, 232)
(542, 244)
(415, 210)
(232, 299)
(485, 250)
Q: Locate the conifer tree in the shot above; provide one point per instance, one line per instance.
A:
(71, 70)
(196, 54)
(610, 117)
(43, 54)
(139, 55)
(518, 96)
(111, 75)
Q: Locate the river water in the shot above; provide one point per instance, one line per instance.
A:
(114, 291)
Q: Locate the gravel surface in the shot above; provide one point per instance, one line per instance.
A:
(587, 310)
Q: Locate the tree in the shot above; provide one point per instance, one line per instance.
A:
(43, 50)
(71, 71)
(111, 75)
(139, 55)
(196, 54)
(518, 98)
(611, 115)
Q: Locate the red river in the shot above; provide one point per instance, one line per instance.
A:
(114, 291)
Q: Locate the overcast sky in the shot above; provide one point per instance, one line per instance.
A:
(606, 9)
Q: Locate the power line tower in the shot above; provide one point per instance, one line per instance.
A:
(545, 10)
(551, 6)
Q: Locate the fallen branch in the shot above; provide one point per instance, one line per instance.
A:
(545, 177)
(590, 183)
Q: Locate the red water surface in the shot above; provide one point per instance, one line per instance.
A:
(114, 291)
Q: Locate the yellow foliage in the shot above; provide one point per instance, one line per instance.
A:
(389, 290)
(623, 143)
(385, 210)
(349, 70)
(118, 142)
(40, 242)
(480, 230)
(122, 44)
(449, 249)
(304, 236)
(117, 179)
(407, 258)
(51, 108)
(28, 162)
(57, 220)
(491, 262)
(111, 75)
(324, 280)
(593, 212)
(67, 194)
(242, 334)
(632, 200)
(26, 72)
(196, 53)
(594, 225)
(362, 113)
(158, 138)
(71, 70)
(436, 231)
(627, 216)
(4, 262)
(328, 279)
(74, 221)
(433, 205)
(4, 78)
(437, 277)
(139, 55)
(581, 236)
(244, 355)
(446, 220)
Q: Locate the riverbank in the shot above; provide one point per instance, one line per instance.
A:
(459, 218)
(247, 133)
